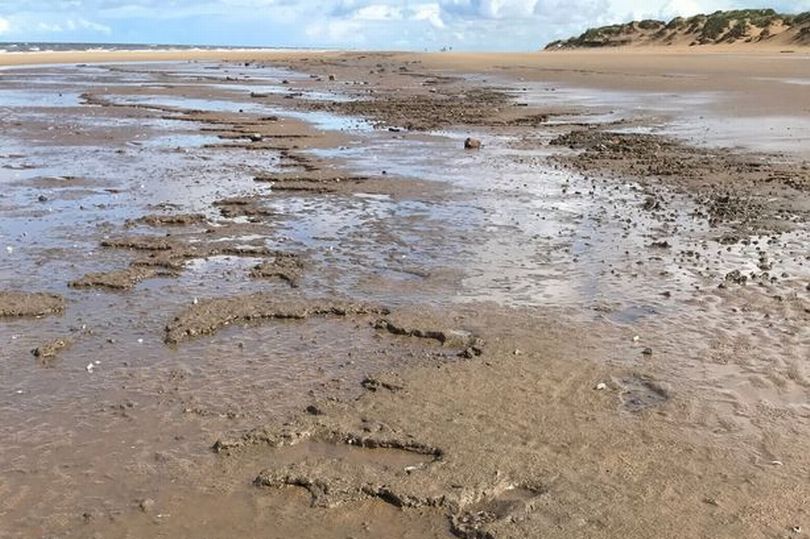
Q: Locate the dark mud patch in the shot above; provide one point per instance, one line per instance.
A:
(285, 266)
(208, 316)
(639, 393)
(382, 381)
(17, 304)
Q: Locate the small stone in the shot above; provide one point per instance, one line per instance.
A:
(331, 77)
(472, 144)
(601, 386)
(42, 198)
(314, 410)
(256, 137)
(147, 505)
(647, 351)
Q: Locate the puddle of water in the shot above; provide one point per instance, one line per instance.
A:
(26, 98)
(309, 95)
(775, 134)
(322, 120)
(687, 115)
(183, 141)
(788, 80)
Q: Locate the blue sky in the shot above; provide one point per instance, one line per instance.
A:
(370, 24)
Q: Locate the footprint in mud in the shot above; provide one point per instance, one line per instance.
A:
(510, 503)
(641, 392)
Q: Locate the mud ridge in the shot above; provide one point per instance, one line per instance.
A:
(19, 304)
(122, 279)
(209, 316)
(284, 266)
(161, 220)
(470, 344)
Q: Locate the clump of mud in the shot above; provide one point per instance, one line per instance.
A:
(161, 220)
(139, 243)
(15, 304)
(249, 207)
(285, 266)
(49, 350)
(208, 316)
(122, 279)
(469, 344)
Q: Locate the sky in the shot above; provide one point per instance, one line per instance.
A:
(518, 25)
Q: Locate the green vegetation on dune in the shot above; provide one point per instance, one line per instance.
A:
(738, 25)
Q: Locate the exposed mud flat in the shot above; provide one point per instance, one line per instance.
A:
(295, 295)
(15, 304)
(706, 173)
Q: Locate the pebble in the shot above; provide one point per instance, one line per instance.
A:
(472, 144)
(601, 386)
(147, 505)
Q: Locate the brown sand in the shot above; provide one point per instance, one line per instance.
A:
(685, 416)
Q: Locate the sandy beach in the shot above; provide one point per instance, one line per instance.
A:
(386, 294)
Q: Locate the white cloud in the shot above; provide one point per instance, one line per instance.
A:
(5, 26)
(70, 25)
(431, 13)
(378, 12)
(681, 8)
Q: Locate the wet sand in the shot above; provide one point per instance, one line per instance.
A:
(272, 294)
